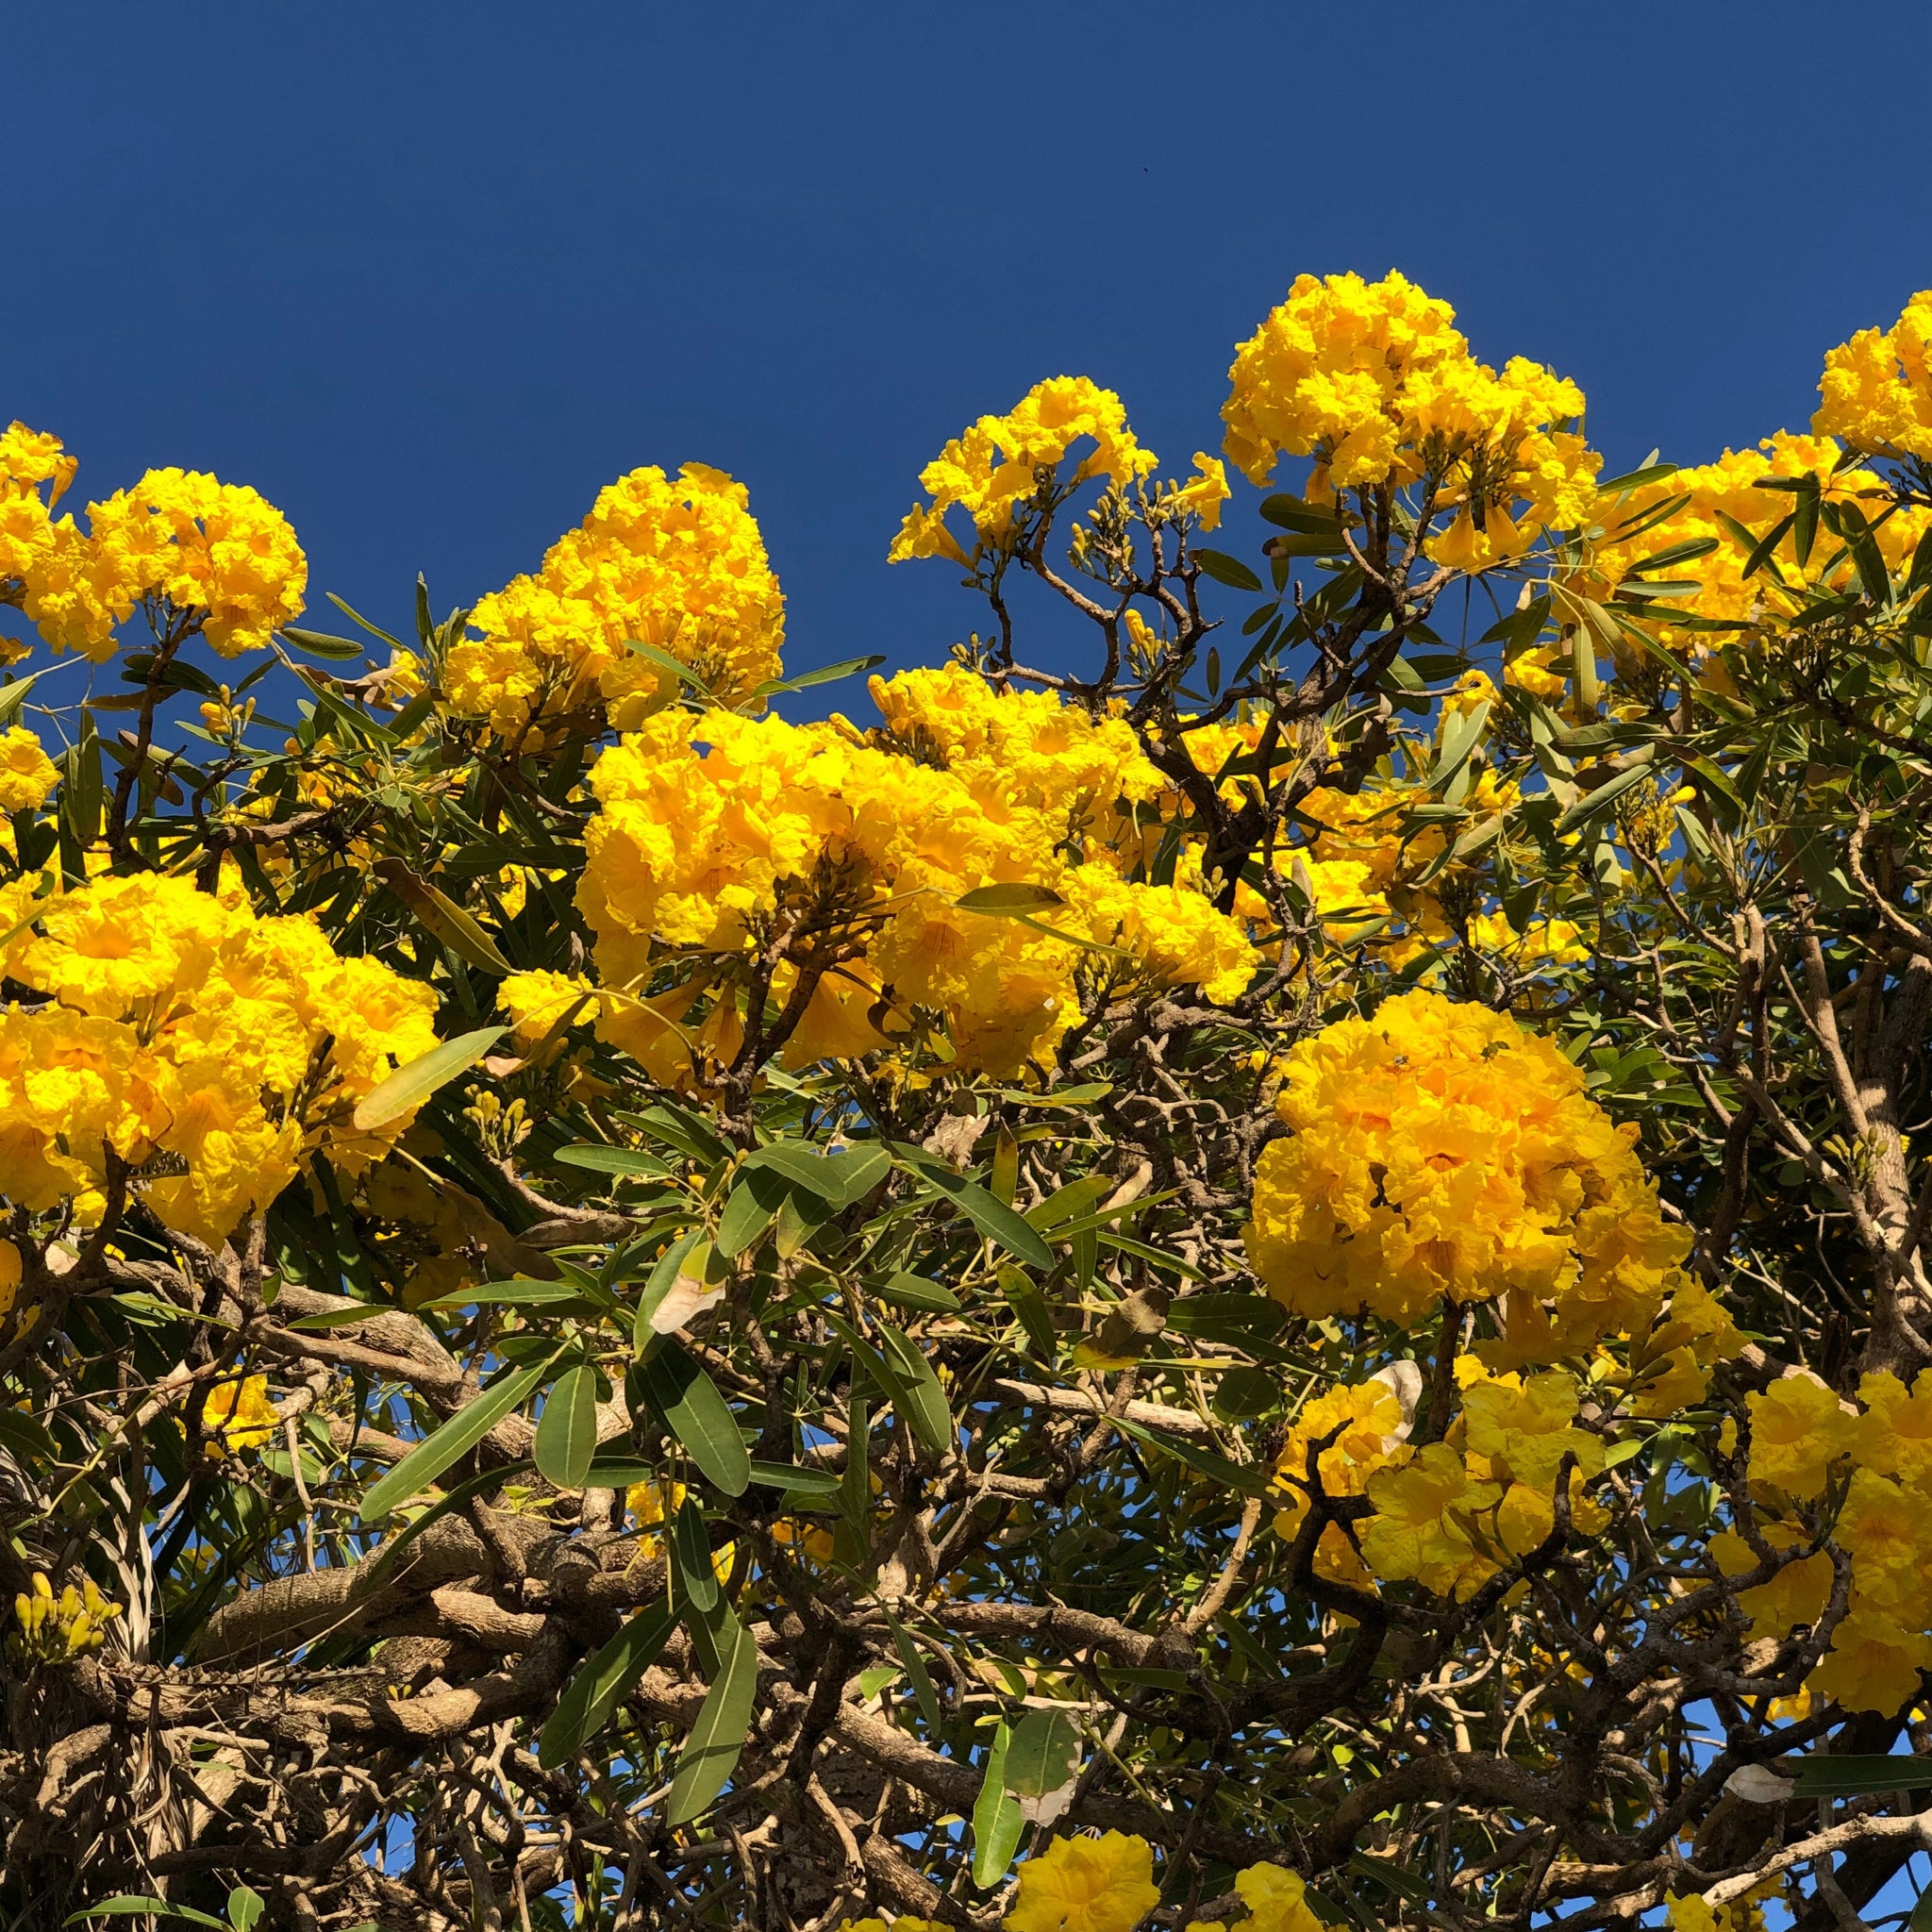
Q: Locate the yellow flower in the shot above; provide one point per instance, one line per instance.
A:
(27, 776)
(1797, 1432)
(1086, 1885)
(1439, 1149)
(240, 1413)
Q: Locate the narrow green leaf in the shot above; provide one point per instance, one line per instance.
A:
(1228, 570)
(567, 1429)
(318, 644)
(993, 1220)
(410, 1085)
(127, 1904)
(12, 696)
(796, 1478)
(1632, 479)
(602, 1683)
(690, 1549)
(1459, 745)
(611, 1160)
(916, 1672)
(444, 917)
(919, 1394)
(997, 1820)
(1594, 804)
(1231, 1475)
(906, 1290)
(687, 1402)
(1013, 896)
(749, 1210)
(1027, 1302)
(454, 1439)
(662, 1279)
(1856, 1776)
(711, 1754)
(244, 1908)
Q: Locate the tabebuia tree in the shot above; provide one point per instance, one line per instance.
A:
(1263, 1266)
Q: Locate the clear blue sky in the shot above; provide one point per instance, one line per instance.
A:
(430, 275)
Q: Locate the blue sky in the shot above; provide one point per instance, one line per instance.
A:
(428, 276)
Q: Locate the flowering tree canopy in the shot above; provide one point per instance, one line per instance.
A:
(1267, 1274)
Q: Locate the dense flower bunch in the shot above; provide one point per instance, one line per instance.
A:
(1719, 515)
(44, 559)
(1439, 1150)
(708, 823)
(1372, 381)
(1002, 464)
(184, 1038)
(1871, 1464)
(28, 775)
(677, 563)
(202, 555)
(1877, 388)
(214, 556)
(53, 1628)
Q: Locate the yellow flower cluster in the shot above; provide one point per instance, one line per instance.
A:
(1877, 388)
(186, 1036)
(216, 554)
(678, 563)
(1375, 382)
(208, 557)
(53, 1629)
(1106, 1884)
(1440, 1150)
(1722, 504)
(1002, 464)
(1879, 1459)
(44, 559)
(27, 776)
(1466, 1506)
(1086, 1885)
(1452, 1514)
(708, 823)
(241, 1415)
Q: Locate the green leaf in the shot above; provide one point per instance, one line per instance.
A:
(749, 1209)
(318, 644)
(1027, 1302)
(687, 1402)
(244, 1908)
(1594, 804)
(442, 916)
(838, 1176)
(410, 1085)
(1632, 479)
(508, 1294)
(665, 661)
(993, 1218)
(80, 795)
(1228, 570)
(997, 1820)
(567, 1429)
(1459, 745)
(796, 1479)
(604, 1682)
(12, 696)
(613, 1160)
(906, 1290)
(1250, 1481)
(664, 1278)
(919, 1396)
(453, 1499)
(127, 1904)
(1297, 513)
(1856, 1776)
(354, 616)
(711, 1754)
(22, 1435)
(454, 1439)
(916, 1672)
(690, 1548)
(849, 667)
(1013, 896)
(1042, 1754)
